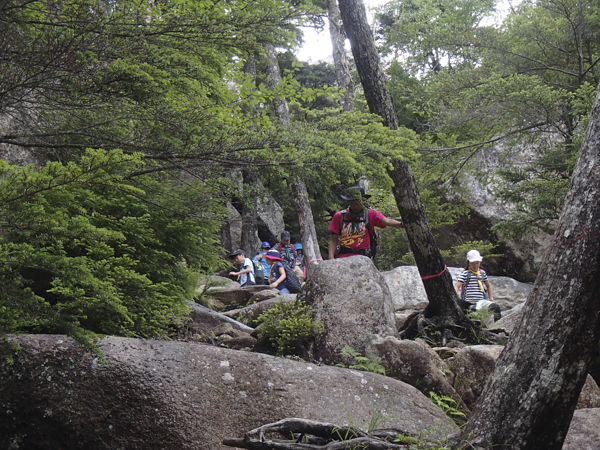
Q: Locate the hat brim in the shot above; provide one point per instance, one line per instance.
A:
(274, 258)
(349, 199)
(476, 259)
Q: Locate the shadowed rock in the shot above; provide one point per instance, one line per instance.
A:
(180, 395)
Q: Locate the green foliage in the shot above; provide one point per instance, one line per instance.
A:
(361, 362)
(449, 406)
(457, 254)
(288, 324)
(89, 249)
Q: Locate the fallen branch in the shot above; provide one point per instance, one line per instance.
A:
(310, 435)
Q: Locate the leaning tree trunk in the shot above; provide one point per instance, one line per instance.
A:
(307, 223)
(440, 293)
(340, 61)
(529, 401)
(308, 233)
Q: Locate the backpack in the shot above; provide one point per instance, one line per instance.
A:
(259, 272)
(291, 263)
(372, 251)
(291, 279)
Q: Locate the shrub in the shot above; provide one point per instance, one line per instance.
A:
(288, 324)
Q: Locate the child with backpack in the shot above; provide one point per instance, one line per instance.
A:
(277, 276)
(474, 287)
(246, 268)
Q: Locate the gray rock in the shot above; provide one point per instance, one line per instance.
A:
(264, 294)
(510, 319)
(406, 288)
(584, 431)
(204, 320)
(235, 294)
(408, 293)
(223, 328)
(256, 309)
(589, 397)
(351, 300)
(472, 366)
(180, 395)
(413, 363)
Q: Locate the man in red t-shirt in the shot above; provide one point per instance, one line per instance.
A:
(353, 236)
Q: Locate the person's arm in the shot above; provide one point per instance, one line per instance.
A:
(489, 289)
(281, 277)
(333, 242)
(392, 223)
(458, 287)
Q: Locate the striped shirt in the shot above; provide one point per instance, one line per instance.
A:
(474, 292)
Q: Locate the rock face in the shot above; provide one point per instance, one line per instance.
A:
(584, 431)
(415, 364)
(408, 292)
(175, 395)
(204, 320)
(472, 366)
(256, 309)
(352, 301)
(522, 256)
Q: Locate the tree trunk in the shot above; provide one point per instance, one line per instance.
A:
(273, 82)
(308, 233)
(441, 295)
(250, 241)
(530, 398)
(340, 61)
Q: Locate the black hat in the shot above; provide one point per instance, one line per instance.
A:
(239, 251)
(285, 235)
(355, 191)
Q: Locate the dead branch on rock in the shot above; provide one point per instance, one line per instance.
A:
(310, 435)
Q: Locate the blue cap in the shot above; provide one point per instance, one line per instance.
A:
(265, 244)
(298, 246)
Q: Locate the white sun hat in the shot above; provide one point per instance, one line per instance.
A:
(474, 255)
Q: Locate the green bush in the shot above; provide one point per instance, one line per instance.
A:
(87, 248)
(288, 324)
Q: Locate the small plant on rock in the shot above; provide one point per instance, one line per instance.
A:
(362, 362)
(288, 325)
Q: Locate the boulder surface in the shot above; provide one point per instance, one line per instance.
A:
(181, 395)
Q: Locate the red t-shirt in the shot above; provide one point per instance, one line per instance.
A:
(360, 239)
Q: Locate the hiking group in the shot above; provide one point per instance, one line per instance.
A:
(352, 233)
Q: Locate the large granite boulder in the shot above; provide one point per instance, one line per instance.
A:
(584, 431)
(408, 292)
(179, 395)
(472, 366)
(414, 363)
(351, 300)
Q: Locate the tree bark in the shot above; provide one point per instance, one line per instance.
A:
(340, 61)
(280, 105)
(308, 233)
(441, 295)
(530, 398)
(250, 241)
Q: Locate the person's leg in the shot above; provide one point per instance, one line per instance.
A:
(497, 311)
(284, 291)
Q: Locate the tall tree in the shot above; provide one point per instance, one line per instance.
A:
(436, 279)
(340, 61)
(308, 233)
(530, 398)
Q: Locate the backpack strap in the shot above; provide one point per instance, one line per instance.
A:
(366, 221)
